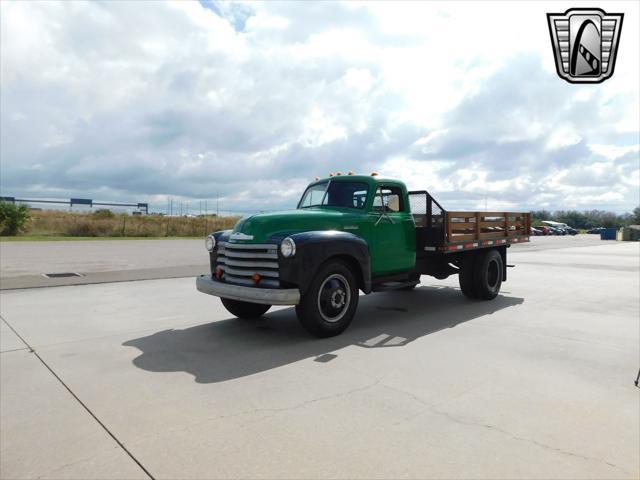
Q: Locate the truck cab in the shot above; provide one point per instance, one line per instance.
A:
(350, 233)
(375, 209)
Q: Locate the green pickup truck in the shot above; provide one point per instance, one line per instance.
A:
(351, 233)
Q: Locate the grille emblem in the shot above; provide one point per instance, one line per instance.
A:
(240, 236)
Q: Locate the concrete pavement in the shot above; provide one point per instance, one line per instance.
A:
(22, 264)
(425, 384)
(85, 256)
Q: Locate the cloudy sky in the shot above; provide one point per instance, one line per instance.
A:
(144, 100)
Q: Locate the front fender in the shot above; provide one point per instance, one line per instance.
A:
(316, 247)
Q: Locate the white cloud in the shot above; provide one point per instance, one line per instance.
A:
(175, 99)
(564, 136)
(613, 151)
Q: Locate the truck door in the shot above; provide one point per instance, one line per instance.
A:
(394, 243)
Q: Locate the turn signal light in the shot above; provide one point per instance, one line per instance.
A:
(256, 278)
(219, 273)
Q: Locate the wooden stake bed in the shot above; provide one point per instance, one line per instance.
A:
(456, 247)
(469, 230)
(438, 230)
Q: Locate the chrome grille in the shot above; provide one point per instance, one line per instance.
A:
(240, 261)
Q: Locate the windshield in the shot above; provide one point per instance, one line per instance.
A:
(335, 194)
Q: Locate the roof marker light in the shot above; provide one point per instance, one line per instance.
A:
(374, 174)
(338, 174)
(350, 172)
(331, 174)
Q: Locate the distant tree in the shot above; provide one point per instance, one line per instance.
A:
(636, 216)
(103, 213)
(538, 216)
(609, 219)
(625, 219)
(13, 218)
(573, 218)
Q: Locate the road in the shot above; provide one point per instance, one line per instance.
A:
(22, 264)
(153, 379)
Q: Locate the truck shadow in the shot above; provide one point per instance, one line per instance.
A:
(234, 348)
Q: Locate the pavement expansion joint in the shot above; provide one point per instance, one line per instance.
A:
(104, 427)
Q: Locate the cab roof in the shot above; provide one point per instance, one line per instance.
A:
(369, 179)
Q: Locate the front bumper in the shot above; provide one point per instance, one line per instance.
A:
(267, 296)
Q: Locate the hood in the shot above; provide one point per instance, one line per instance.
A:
(265, 225)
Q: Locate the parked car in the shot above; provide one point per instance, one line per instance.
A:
(544, 230)
(558, 228)
(595, 230)
(536, 231)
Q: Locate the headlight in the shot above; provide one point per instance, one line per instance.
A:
(288, 247)
(210, 243)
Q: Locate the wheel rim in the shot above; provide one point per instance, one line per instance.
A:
(493, 274)
(334, 298)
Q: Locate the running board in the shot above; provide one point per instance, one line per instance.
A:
(387, 286)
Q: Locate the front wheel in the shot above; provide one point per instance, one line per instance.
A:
(245, 309)
(329, 304)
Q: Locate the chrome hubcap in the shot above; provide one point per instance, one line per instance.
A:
(334, 297)
(338, 298)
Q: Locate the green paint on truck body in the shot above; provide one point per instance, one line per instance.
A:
(390, 235)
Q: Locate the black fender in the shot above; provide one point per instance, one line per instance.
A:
(503, 254)
(316, 247)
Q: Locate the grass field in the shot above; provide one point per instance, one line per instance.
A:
(58, 225)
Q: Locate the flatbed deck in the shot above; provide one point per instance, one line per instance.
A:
(468, 230)
(438, 230)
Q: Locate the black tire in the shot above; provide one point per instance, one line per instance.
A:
(245, 309)
(466, 275)
(488, 274)
(330, 302)
(413, 278)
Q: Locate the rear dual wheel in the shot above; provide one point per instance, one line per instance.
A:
(466, 274)
(480, 274)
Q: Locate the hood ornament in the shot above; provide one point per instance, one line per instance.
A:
(240, 236)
